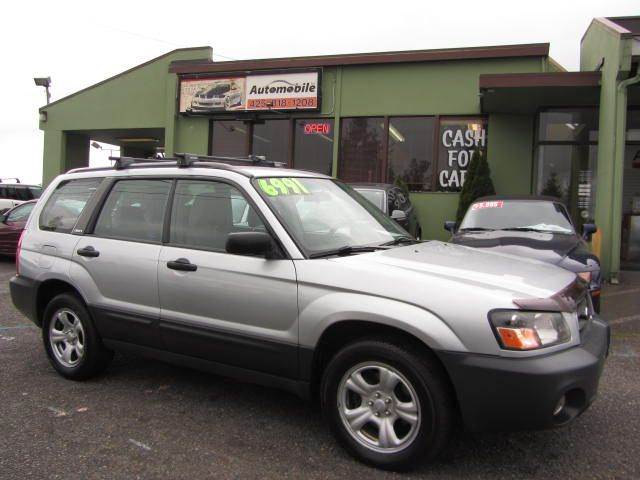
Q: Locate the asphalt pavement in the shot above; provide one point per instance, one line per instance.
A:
(144, 419)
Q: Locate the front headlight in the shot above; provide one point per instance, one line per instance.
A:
(520, 330)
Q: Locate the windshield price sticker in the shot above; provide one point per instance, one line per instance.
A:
(481, 205)
(282, 186)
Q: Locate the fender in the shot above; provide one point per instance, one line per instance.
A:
(325, 310)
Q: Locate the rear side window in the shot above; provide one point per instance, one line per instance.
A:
(66, 203)
(23, 194)
(9, 191)
(35, 192)
(134, 210)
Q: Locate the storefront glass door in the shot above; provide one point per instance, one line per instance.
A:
(630, 244)
(567, 159)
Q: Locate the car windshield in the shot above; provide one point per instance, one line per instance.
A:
(374, 196)
(526, 215)
(324, 215)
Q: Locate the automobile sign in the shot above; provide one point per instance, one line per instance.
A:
(252, 92)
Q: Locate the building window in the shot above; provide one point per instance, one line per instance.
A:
(229, 138)
(313, 145)
(362, 149)
(458, 139)
(566, 154)
(410, 152)
(271, 139)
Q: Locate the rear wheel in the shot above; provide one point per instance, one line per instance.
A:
(388, 405)
(71, 340)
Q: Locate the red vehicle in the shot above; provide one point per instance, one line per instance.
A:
(12, 223)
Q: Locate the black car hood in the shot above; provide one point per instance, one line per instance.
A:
(568, 251)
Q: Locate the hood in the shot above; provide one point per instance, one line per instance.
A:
(467, 265)
(551, 248)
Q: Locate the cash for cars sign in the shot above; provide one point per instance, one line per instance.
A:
(281, 91)
(457, 143)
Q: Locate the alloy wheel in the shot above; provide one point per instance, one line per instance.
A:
(379, 407)
(67, 338)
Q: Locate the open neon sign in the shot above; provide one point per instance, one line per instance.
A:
(317, 128)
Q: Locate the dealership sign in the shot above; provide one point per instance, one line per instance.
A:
(278, 91)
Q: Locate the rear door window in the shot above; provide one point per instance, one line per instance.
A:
(66, 203)
(134, 211)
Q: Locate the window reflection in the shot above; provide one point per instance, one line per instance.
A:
(361, 149)
(313, 145)
(271, 139)
(410, 163)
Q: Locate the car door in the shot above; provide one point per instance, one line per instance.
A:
(12, 226)
(116, 261)
(231, 309)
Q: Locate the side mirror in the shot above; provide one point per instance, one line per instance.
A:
(398, 215)
(450, 226)
(249, 243)
(588, 229)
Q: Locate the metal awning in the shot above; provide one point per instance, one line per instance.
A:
(527, 92)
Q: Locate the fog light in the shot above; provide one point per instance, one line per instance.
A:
(560, 405)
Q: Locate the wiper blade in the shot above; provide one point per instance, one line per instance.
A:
(347, 250)
(477, 229)
(521, 229)
(399, 240)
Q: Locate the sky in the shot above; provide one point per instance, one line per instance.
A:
(81, 43)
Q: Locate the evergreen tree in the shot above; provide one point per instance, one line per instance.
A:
(553, 188)
(477, 182)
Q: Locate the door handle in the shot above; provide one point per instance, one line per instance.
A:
(182, 264)
(88, 252)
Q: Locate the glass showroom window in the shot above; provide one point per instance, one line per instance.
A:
(458, 139)
(410, 152)
(313, 145)
(362, 149)
(271, 139)
(229, 138)
(567, 159)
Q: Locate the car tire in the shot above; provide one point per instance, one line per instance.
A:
(422, 394)
(71, 340)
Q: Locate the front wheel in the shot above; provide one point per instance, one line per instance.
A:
(71, 340)
(388, 405)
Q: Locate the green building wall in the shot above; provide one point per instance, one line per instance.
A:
(606, 49)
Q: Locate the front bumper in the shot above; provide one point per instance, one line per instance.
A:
(499, 393)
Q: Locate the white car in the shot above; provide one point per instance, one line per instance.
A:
(13, 194)
(221, 96)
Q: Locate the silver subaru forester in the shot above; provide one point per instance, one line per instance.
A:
(292, 279)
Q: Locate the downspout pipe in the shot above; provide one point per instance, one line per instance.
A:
(622, 86)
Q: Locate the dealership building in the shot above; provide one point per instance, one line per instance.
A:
(413, 118)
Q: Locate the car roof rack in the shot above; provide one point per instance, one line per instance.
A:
(10, 178)
(188, 159)
(185, 160)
